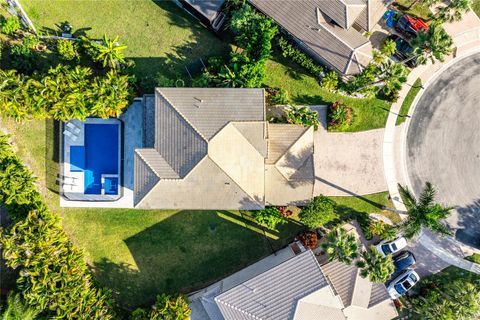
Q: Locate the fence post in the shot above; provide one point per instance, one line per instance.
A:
(22, 14)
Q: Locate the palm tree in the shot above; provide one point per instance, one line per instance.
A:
(432, 45)
(389, 47)
(109, 52)
(423, 212)
(454, 10)
(17, 309)
(375, 266)
(341, 245)
(393, 75)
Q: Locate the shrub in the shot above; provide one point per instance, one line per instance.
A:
(377, 227)
(67, 50)
(31, 41)
(53, 275)
(10, 25)
(339, 116)
(277, 96)
(166, 307)
(330, 81)
(289, 51)
(55, 94)
(108, 52)
(309, 239)
(269, 217)
(23, 58)
(319, 212)
(303, 116)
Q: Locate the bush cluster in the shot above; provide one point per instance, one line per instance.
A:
(302, 115)
(166, 307)
(269, 217)
(246, 68)
(53, 276)
(67, 50)
(10, 25)
(319, 212)
(293, 53)
(340, 116)
(63, 93)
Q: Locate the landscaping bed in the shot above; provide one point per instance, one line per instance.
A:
(407, 102)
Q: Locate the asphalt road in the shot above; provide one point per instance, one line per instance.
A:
(443, 145)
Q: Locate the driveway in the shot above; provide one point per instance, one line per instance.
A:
(443, 145)
(347, 164)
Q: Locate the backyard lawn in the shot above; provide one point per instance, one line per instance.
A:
(142, 253)
(160, 36)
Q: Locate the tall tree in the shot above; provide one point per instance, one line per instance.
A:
(424, 212)
(375, 266)
(341, 246)
(432, 45)
(457, 300)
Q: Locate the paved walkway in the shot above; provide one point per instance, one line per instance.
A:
(343, 160)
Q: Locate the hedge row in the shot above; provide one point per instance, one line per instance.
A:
(53, 275)
(296, 55)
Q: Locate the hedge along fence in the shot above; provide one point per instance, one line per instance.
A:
(53, 275)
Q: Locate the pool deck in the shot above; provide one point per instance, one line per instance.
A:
(72, 183)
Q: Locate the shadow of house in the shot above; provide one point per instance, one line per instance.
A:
(186, 252)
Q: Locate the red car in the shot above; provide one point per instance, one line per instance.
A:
(409, 26)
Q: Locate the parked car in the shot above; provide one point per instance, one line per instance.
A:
(401, 284)
(391, 247)
(409, 26)
(403, 261)
(403, 52)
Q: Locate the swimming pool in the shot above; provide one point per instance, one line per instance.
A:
(98, 158)
(101, 155)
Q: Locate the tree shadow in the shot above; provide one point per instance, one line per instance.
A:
(186, 252)
(52, 155)
(469, 224)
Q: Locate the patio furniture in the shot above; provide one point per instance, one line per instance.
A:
(73, 128)
(70, 135)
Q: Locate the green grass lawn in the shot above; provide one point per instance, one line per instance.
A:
(474, 258)
(420, 9)
(160, 36)
(305, 90)
(371, 203)
(407, 102)
(476, 7)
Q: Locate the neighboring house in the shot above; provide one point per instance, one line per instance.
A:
(290, 286)
(211, 148)
(209, 12)
(329, 31)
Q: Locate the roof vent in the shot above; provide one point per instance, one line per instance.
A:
(198, 99)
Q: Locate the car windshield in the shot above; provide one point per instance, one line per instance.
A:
(394, 247)
(414, 278)
(400, 289)
(386, 249)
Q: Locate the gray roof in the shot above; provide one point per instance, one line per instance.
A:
(207, 8)
(209, 110)
(190, 125)
(372, 14)
(274, 293)
(343, 12)
(305, 20)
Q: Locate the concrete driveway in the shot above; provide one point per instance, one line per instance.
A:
(347, 164)
(443, 145)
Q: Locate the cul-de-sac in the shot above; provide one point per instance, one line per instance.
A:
(240, 159)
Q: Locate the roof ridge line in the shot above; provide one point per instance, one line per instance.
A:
(137, 151)
(293, 143)
(181, 115)
(241, 188)
(153, 187)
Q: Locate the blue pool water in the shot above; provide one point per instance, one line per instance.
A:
(101, 157)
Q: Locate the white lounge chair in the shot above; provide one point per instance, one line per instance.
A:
(70, 135)
(73, 128)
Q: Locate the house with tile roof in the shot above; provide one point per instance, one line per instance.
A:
(331, 32)
(211, 148)
(292, 285)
